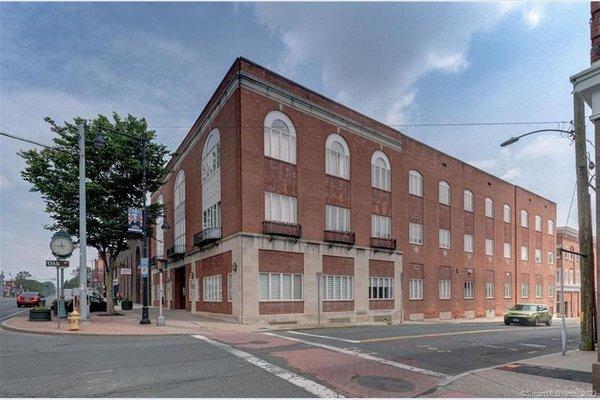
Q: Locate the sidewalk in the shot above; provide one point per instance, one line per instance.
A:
(553, 375)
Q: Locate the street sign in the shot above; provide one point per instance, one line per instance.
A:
(125, 271)
(57, 263)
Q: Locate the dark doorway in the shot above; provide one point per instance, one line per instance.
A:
(179, 300)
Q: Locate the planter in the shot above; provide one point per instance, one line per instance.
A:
(126, 305)
(40, 315)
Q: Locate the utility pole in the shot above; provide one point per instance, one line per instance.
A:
(586, 247)
(145, 264)
(83, 309)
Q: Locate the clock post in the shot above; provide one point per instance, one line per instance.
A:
(61, 247)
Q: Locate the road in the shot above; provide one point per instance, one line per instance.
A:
(280, 364)
(8, 308)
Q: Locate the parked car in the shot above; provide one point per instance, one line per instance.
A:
(530, 314)
(96, 300)
(30, 299)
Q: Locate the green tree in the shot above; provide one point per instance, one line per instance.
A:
(113, 181)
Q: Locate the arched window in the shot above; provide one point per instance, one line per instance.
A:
(380, 171)
(524, 219)
(179, 210)
(506, 212)
(415, 183)
(469, 201)
(280, 137)
(211, 181)
(444, 193)
(160, 234)
(337, 156)
(538, 223)
(489, 207)
(550, 227)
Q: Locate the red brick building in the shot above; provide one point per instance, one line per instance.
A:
(285, 206)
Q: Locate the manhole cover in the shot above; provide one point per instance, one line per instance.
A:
(383, 383)
(258, 342)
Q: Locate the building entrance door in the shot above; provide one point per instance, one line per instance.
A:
(179, 289)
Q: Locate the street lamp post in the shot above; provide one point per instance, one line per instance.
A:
(83, 309)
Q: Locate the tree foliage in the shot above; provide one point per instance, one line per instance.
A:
(113, 180)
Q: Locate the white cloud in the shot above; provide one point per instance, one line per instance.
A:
(532, 16)
(511, 174)
(6, 183)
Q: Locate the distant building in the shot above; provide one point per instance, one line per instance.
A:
(128, 272)
(98, 275)
(9, 289)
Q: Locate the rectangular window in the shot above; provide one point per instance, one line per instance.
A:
(444, 193)
(489, 208)
(538, 223)
(538, 256)
(524, 253)
(381, 226)
(337, 287)
(506, 213)
(489, 290)
(524, 290)
(507, 290)
(212, 290)
(280, 143)
(415, 183)
(445, 289)
(380, 177)
(550, 227)
(524, 219)
(469, 245)
(415, 233)
(489, 247)
(415, 289)
(444, 239)
(230, 287)
(550, 290)
(280, 208)
(507, 250)
(538, 290)
(550, 257)
(337, 218)
(211, 217)
(469, 201)
(275, 286)
(381, 288)
(469, 290)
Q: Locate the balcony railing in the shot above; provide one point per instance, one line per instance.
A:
(383, 243)
(206, 236)
(339, 237)
(176, 252)
(282, 229)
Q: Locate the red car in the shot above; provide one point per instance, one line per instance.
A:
(29, 299)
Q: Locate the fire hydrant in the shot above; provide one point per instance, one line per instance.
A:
(74, 320)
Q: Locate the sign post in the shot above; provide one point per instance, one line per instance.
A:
(60, 265)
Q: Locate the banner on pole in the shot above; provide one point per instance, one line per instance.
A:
(134, 220)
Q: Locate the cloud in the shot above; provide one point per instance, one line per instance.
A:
(6, 183)
(511, 174)
(532, 16)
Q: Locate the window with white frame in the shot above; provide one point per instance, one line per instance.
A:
(469, 292)
(415, 183)
(280, 137)
(524, 290)
(524, 253)
(550, 290)
(507, 250)
(415, 233)
(211, 181)
(506, 213)
(211, 288)
(469, 243)
(415, 289)
(381, 226)
(276, 286)
(337, 218)
(444, 239)
(507, 290)
(337, 156)
(160, 233)
(538, 290)
(489, 247)
(445, 289)
(550, 257)
(550, 227)
(280, 208)
(489, 207)
(524, 219)
(211, 217)
(211, 156)
(469, 201)
(380, 171)
(230, 287)
(444, 193)
(489, 290)
(558, 276)
(538, 223)
(335, 287)
(538, 256)
(381, 288)
(179, 208)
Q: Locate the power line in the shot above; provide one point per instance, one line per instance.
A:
(23, 139)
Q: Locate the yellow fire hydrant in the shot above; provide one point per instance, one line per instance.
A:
(74, 320)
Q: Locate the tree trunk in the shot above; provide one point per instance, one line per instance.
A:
(109, 274)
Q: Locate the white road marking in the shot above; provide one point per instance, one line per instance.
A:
(323, 337)
(357, 353)
(533, 345)
(295, 379)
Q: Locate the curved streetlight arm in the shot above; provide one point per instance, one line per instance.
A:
(516, 138)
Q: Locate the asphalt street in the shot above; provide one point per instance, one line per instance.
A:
(8, 308)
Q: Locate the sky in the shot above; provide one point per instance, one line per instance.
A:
(400, 63)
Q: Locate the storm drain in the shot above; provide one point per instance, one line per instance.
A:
(384, 383)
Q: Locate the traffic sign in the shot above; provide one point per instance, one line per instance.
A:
(57, 263)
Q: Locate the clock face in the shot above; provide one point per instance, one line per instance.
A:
(61, 246)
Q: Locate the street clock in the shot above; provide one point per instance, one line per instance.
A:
(61, 244)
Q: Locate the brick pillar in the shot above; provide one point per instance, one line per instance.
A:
(595, 32)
